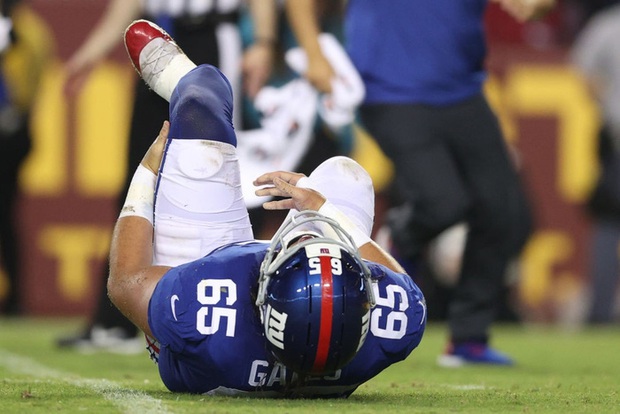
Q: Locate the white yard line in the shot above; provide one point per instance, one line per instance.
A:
(128, 401)
(465, 387)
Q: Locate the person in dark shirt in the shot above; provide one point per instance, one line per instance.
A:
(422, 63)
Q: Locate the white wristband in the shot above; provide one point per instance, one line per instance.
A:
(141, 194)
(358, 235)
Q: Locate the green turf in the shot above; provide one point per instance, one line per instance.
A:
(557, 372)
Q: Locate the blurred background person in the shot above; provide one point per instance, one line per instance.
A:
(21, 64)
(326, 141)
(208, 32)
(596, 54)
(423, 67)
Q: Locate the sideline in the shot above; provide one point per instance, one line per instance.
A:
(128, 401)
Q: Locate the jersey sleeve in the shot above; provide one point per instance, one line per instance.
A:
(397, 324)
(167, 310)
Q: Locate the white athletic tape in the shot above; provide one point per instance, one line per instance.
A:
(358, 235)
(139, 201)
(170, 76)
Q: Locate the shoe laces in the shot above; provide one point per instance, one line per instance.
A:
(157, 59)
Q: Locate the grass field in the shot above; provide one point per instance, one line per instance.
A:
(557, 372)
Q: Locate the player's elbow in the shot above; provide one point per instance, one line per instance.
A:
(117, 286)
(113, 288)
(120, 292)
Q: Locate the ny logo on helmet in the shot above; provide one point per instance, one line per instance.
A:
(274, 328)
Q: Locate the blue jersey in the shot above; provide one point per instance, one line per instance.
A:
(211, 338)
(417, 51)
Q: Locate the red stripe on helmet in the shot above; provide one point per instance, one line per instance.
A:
(327, 306)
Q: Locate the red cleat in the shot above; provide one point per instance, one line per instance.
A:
(156, 57)
(138, 35)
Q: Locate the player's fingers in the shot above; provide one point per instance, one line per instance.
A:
(160, 141)
(152, 158)
(268, 178)
(269, 192)
(285, 187)
(280, 188)
(165, 128)
(279, 204)
(264, 179)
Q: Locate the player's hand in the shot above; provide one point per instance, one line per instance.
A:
(76, 74)
(152, 158)
(320, 73)
(257, 65)
(283, 184)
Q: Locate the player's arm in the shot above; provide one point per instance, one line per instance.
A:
(132, 279)
(257, 63)
(283, 184)
(302, 16)
(101, 40)
(373, 252)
